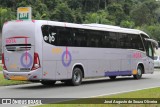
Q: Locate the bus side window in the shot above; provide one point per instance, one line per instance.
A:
(52, 35)
(113, 38)
(49, 34)
(137, 42)
(65, 37)
(79, 37)
(106, 40)
(124, 41)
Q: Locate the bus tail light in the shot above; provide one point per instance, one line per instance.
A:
(36, 63)
(3, 62)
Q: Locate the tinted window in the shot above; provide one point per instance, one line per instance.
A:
(105, 40)
(63, 36)
(79, 37)
(113, 40)
(49, 34)
(136, 42)
(94, 38)
(124, 41)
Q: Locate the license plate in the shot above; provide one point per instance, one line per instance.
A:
(18, 78)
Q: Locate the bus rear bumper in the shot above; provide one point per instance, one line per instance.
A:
(23, 76)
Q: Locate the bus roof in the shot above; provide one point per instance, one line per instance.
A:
(95, 26)
(92, 26)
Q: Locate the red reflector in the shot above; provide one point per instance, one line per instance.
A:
(3, 62)
(33, 21)
(34, 76)
(19, 20)
(36, 61)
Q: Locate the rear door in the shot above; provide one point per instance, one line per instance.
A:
(18, 45)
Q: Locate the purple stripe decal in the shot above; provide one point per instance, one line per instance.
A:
(118, 73)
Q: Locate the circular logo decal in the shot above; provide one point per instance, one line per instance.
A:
(26, 60)
(66, 58)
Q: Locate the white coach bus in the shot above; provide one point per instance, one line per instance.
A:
(49, 51)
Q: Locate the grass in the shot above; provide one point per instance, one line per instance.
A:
(4, 82)
(147, 93)
(0, 68)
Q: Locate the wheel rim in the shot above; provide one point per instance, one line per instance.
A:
(76, 76)
(139, 72)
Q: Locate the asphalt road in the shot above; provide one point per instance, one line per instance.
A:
(89, 88)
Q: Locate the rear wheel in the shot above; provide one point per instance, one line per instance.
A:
(112, 77)
(76, 77)
(48, 83)
(139, 73)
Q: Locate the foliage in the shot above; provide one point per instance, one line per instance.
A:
(5, 15)
(100, 17)
(1, 68)
(153, 30)
(143, 14)
(62, 13)
(127, 24)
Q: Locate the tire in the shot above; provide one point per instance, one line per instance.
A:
(139, 73)
(112, 77)
(48, 83)
(76, 77)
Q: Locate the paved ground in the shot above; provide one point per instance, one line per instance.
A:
(89, 88)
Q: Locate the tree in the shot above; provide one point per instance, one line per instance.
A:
(117, 13)
(145, 13)
(98, 17)
(127, 24)
(63, 13)
(152, 30)
(5, 15)
(75, 4)
(91, 5)
(78, 15)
